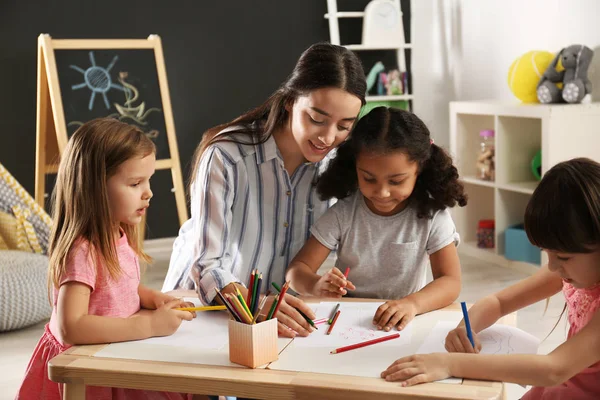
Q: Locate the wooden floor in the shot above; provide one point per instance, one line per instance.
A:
(479, 279)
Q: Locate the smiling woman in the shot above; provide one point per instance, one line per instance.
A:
(253, 198)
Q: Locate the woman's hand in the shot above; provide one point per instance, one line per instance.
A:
(394, 313)
(290, 322)
(457, 341)
(419, 368)
(332, 284)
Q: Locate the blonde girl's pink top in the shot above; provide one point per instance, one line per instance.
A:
(582, 305)
(109, 298)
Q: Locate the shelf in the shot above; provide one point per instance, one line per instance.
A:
(359, 47)
(519, 187)
(475, 181)
(347, 14)
(390, 98)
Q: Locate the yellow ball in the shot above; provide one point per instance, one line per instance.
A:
(525, 73)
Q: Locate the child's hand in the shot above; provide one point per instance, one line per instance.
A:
(164, 321)
(332, 284)
(159, 299)
(396, 313)
(419, 368)
(457, 341)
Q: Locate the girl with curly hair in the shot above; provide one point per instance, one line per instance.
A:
(394, 186)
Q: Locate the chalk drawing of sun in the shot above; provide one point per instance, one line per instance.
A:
(97, 79)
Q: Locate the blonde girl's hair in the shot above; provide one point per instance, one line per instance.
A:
(80, 200)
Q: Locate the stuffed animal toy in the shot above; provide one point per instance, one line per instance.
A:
(525, 73)
(576, 60)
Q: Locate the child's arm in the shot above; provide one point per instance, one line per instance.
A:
(303, 277)
(567, 360)
(77, 327)
(442, 291)
(542, 285)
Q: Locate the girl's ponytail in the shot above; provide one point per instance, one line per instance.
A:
(437, 185)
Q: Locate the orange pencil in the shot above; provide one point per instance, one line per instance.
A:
(337, 314)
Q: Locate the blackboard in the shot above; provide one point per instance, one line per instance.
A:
(120, 83)
(83, 79)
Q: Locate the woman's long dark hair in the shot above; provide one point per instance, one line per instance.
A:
(563, 213)
(385, 130)
(322, 65)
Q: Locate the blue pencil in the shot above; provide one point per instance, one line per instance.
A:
(463, 305)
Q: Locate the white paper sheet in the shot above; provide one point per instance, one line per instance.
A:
(497, 339)
(354, 325)
(203, 340)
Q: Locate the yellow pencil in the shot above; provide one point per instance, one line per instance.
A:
(243, 302)
(203, 308)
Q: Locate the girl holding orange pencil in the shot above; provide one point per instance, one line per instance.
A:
(394, 186)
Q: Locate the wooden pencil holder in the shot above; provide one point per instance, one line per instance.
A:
(253, 345)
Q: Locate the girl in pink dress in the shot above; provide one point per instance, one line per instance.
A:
(563, 219)
(101, 194)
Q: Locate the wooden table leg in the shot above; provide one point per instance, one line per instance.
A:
(74, 391)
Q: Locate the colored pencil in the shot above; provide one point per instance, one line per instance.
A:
(237, 313)
(346, 272)
(320, 321)
(243, 302)
(250, 288)
(281, 296)
(203, 308)
(463, 305)
(337, 314)
(333, 313)
(276, 286)
(255, 293)
(363, 344)
(272, 309)
(310, 321)
(258, 288)
(235, 300)
(260, 307)
(226, 303)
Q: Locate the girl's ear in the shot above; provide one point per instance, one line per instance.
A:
(289, 104)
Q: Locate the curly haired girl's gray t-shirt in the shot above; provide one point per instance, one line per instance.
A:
(387, 256)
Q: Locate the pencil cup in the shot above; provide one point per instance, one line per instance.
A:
(253, 345)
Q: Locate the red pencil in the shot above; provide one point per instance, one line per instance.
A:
(335, 317)
(363, 344)
(250, 288)
(346, 272)
(281, 297)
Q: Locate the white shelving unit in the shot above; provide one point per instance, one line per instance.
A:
(333, 15)
(562, 132)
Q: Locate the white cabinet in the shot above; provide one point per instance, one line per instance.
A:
(561, 132)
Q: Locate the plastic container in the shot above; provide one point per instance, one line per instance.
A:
(485, 166)
(519, 248)
(485, 234)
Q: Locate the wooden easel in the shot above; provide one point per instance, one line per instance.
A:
(51, 129)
